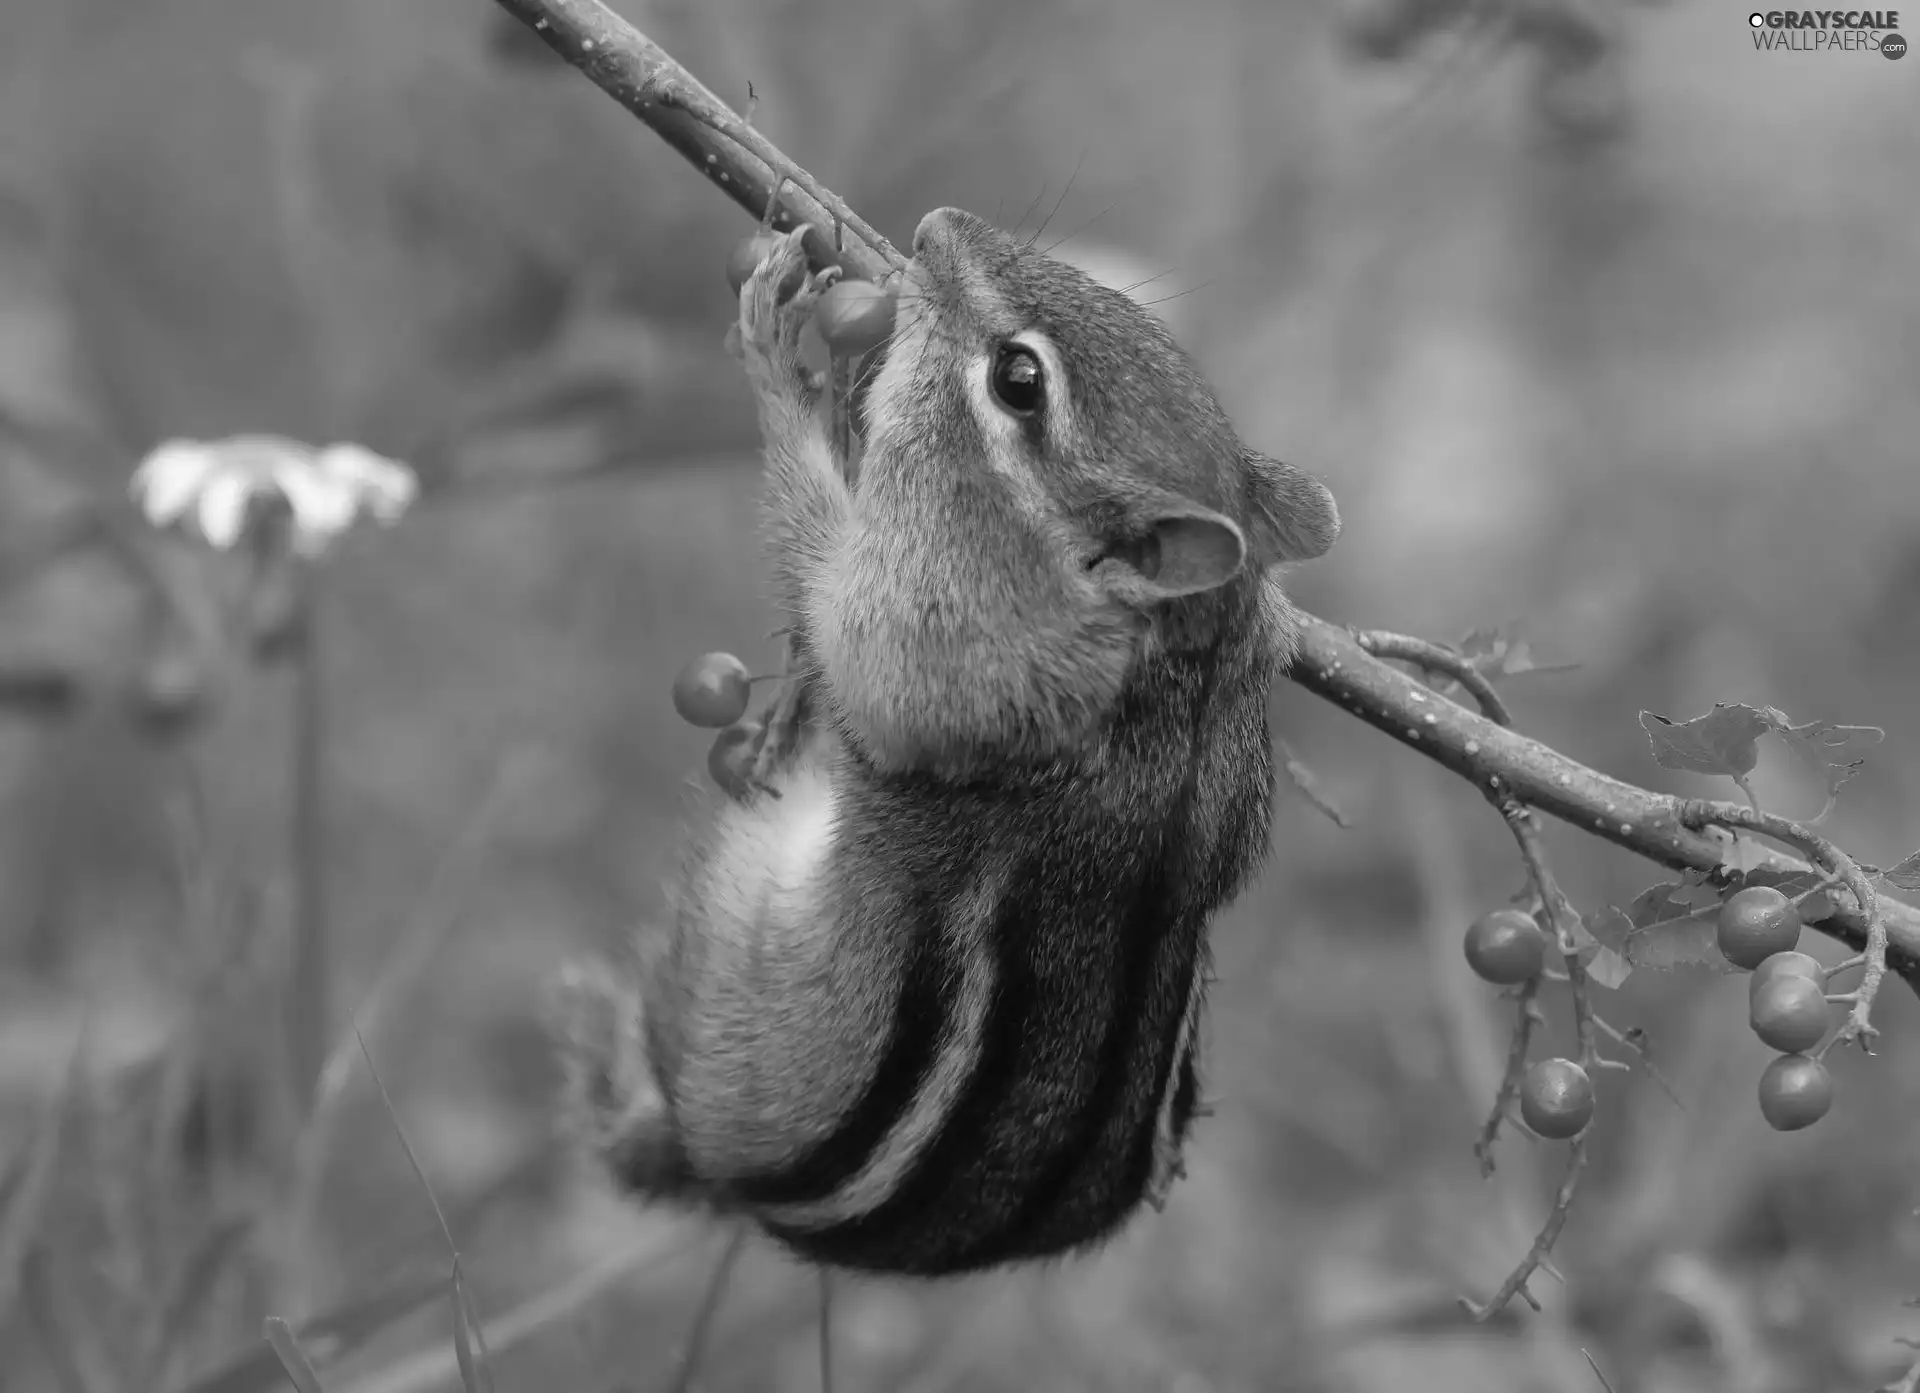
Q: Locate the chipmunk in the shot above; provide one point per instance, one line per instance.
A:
(929, 1004)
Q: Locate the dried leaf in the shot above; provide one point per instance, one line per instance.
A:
(1906, 875)
(1608, 969)
(1724, 741)
(1827, 747)
(1669, 925)
(1498, 653)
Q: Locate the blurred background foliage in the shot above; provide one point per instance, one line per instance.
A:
(1595, 318)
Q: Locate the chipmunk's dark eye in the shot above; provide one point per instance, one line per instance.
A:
(1016, 380)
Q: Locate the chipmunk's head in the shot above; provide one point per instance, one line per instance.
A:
(1074, 425)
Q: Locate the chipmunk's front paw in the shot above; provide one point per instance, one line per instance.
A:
(775, 305)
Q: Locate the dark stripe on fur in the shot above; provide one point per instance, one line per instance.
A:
(921, 1022)
(1097, 1177)
(895, 1234)
(1097, 935)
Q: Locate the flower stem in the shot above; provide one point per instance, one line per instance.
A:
(309, 967)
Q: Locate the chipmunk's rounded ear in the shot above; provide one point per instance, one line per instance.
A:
(1184, 551)
(1294, 515)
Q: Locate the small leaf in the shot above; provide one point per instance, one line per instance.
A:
(1724, 741)
(1608, 969)
(1906, 875)
(299, 1371)
(1746, 856)
(1667, 926)
(1696, 892)
(1689, 943)
(1609, 928)
(1789, 883)
(1828, 747)
(1498, 653)
(1667, 903)
(1817, 906)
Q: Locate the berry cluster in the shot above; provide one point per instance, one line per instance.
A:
(852, 316)
(1758, 930)
(1508, 947)
(713, 691)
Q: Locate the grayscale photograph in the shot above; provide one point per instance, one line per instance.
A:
(952, 696)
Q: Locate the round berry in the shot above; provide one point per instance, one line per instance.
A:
(1506, 947)
(1790, 1013)
(747, 254)
(853, 317)
(730, 759)
(712, 691)
(1786, 965)
(1795, 1092)
(1556, 1098)
(1755, 923)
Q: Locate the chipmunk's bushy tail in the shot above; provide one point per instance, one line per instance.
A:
(611, 1105)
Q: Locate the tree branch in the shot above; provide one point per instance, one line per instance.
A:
(1333, 662)
(716, 140)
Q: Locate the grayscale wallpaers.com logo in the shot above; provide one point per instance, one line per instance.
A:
(1814, 31)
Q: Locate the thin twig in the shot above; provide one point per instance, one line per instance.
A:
(438, 1367)
(1527, 1016)
(1628, 1039)
(1565, 920)
(745, 165)
(412, 947)
(1440, 659)
(309, 982)
(475, 1378)
(709, 1307)
(826, 1331)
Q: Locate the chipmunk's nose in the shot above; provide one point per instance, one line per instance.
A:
(942, 227)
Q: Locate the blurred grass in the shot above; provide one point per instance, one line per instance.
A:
(1645, 385)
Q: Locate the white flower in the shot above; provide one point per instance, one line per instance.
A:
(326, 490)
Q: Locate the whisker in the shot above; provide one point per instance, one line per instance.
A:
(1047, 221)
(1015, 230)
(1148, 280)
(1178, 294)
(1048, 250)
